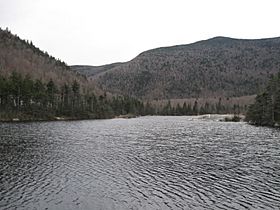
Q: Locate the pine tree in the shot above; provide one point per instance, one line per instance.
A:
(266, 109)
(51, 94)
(195, 109)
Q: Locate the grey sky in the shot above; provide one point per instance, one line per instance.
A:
(105, 31)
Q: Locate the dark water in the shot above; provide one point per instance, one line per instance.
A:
(144, 163)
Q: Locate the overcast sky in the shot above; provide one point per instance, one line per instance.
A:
(97, 32)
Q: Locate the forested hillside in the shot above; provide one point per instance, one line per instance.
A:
(218, 67)
(266, 109)
(22, 56)
(36, 86)
(93, 70)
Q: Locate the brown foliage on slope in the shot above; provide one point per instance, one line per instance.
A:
(218, 67)
(23, 57)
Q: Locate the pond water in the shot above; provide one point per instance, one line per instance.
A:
(141, 163)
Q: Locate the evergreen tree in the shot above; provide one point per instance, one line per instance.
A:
(195, 109)
(51, 94)
(184, 109)
(266, 109)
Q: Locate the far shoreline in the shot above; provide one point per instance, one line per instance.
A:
(215, 117)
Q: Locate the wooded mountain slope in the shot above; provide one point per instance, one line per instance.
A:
(17, 55)
(218, 67)
(93, 70)
(36, 86)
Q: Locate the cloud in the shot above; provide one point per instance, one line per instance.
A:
(98, 32)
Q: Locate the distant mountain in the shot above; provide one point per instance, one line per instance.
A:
(93, 70)
(218, 67)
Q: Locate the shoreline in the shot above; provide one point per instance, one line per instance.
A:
(274, 125)
(63, 118)
(214, 117)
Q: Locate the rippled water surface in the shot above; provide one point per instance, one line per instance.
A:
(142, 163)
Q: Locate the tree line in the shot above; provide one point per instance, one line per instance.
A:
(28, 99)
(195, 109)
(266, 109)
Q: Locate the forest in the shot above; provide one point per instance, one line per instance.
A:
(23, 98)
(26, 99)
(195, 108)
(266, 109)
(218, 67)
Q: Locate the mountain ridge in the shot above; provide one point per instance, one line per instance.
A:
(220, 66)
